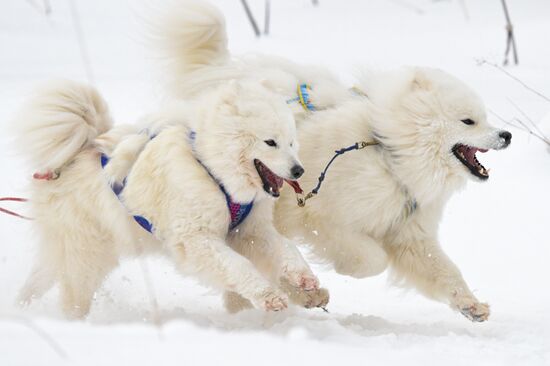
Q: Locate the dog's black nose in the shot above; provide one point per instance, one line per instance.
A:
(507, 136)
(296, 171)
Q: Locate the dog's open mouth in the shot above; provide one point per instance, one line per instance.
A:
(467, 156)
(272, 183)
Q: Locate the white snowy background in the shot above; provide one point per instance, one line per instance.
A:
(497, 232)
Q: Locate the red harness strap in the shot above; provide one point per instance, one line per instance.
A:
(16, 199)
(49, 175)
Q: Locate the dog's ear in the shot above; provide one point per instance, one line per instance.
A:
(421, 81)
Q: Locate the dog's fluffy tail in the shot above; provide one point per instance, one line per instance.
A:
(58, 121)
(190, 37)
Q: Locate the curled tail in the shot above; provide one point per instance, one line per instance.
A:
(58, 121)
(191, 37)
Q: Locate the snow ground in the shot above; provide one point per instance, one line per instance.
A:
(496, 232)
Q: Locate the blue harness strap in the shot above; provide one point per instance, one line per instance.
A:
(303, 97)
(237, 211)
(117, 189)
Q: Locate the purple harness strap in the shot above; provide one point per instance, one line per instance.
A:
(238, 211)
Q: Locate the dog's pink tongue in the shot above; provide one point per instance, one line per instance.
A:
(295, 185)
(470, 152)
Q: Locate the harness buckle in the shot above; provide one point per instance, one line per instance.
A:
(301, 198)
(363, 144)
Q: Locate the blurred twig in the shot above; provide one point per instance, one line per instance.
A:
(520, 125)
(510, 39)
(251, 18)
(50, 341)
(485, 62)
(45, 8)
(533, 124)
(267, 18)
(407, 5)
(465, 9)
(527, 129)
(151, 294)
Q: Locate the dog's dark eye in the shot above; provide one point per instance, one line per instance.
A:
(271, 143)
(468, 121)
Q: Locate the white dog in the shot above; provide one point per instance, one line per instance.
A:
(212, 165)
(385, 203)
(378, 207)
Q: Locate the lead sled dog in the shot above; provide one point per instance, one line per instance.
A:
(200, 169)
(379, 208)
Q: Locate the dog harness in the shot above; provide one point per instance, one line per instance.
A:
(238, 211)
(303, 97)
(118, 188)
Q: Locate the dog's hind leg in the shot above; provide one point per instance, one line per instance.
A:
(86, 263)
(78, 286)
(45, 271)
(40, 280)
(425, 266)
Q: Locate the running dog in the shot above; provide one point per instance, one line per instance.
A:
(200, 188)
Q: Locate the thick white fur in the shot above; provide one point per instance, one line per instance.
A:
(84, 228)
(71, 115)
(191, 40)
(361, 221)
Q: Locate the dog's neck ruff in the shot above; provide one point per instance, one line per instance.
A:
(238, 211)
(411, 204)
(303, 98)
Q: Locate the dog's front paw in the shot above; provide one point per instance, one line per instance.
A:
(476, 312)
(469, 306)
(304, 280)
(318, 298)
(272, 300)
